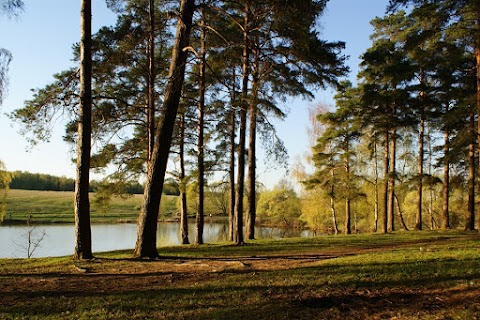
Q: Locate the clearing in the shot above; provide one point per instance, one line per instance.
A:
(416, 275)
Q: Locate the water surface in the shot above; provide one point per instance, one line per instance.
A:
(58, 240)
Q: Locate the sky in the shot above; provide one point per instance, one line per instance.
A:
(41, 40)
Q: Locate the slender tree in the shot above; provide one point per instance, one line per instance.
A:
(200, 129)
(341, 134)
(83, 237)
(146, 245)
(231, 171)
(183, 183)
(251, 179)
(151, 81)
(463, 19)
(238, 234)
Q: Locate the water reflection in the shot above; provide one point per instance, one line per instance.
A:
(59, 239)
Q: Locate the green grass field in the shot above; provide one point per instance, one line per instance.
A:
(57, 207)
(415, 275)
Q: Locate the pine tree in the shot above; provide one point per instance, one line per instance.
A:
(146, 245)
(463, 19)
(83, 236)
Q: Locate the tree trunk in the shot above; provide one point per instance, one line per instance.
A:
(348, 229)
(251, 212)
(375, 183)
(183, 184)
(146, 245)
(251, 180)
(83, 235)
(334, 214)
(477, 55)
(431, 191)
(446, 181)
(418, 218)
(332, 196)
(243, 129)
(233, 119)
(386, 164)
(151, 82)
(391, 182)
(400, 214)
(470, 225)
(200, 130)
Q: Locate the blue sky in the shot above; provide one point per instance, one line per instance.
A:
(41, 40)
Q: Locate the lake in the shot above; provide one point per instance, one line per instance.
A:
(58, 240)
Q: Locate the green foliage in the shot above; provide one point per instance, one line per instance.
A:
(105, 190)
(170, 187)
(416, 77)
(5, 180)
(37, 181)
(280, 205)
(218, 195)
(215, 203)
(316, 210)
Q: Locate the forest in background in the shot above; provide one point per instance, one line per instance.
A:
(398, 149)
(38, 181)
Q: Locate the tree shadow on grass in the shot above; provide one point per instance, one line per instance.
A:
(207, 301)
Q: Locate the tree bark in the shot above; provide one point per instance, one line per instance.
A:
(233, 120)
(391, 182)
(431, 190)
(348, 229)
(239, 239)
(386, 164)
(375, 183)
(183, 184)
(332, 196)
(400, 214)
(470, 225)
(477, 56)
(251, 212)
(418, 217)
(151, 82)
(200, 131)
(251, 180)
(446, 181)
(334, 214)
(83, 237)
(146, 245)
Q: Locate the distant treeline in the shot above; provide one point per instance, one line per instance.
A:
(39, 181)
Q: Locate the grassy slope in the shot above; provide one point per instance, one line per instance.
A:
(56, 207)
(428, 275)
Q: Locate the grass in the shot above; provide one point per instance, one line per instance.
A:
(57, 207)
(417, 275)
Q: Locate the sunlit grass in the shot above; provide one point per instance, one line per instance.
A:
(57, 207)
(403, 276)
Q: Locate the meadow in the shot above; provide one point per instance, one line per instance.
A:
(405, 275)
(57, 207)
